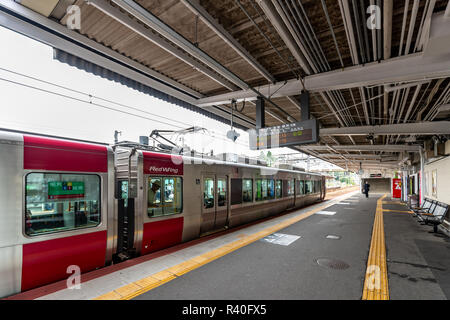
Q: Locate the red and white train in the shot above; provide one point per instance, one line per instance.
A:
(66, 202)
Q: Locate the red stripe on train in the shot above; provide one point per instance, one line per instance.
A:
(61, 155)
(47, 261)
(161, 234)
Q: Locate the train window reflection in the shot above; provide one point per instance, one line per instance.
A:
(208, 193)
(172, 195)
(291, 187)
(247, 190)
(309, 187)
(264, 189)
(301, 188)
(56, 202)
(271, 189)
(221, 192)
(165, 196)
(279, 189)
(316, 186)
(258, 190)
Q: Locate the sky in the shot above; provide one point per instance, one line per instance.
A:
(28, 109)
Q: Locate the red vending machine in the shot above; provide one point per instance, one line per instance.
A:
(396, 188)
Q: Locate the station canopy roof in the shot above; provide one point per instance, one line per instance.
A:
(376, 91)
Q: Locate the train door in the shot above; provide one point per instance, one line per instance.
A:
(214, 203)
(125, 222)
(323, 188)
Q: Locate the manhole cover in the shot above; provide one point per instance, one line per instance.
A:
(333, 237)
(332, 263)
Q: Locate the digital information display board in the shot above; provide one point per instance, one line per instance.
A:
(299, 133)
(65, 190)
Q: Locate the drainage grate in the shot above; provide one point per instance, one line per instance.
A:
(332, 263)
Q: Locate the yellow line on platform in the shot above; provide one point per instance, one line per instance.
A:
(376, 282)
(399, 211)
(139, 287)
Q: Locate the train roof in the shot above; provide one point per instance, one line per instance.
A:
(144, 148)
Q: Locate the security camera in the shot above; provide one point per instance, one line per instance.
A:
(232, 135)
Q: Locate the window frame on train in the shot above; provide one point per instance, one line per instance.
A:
(265, 187)
(301, 187)
(205, 179)
(290, 187)
(252, 197)
(309, 190)
(80, 216)
(224, 202)
(278, 189)
(162, 196)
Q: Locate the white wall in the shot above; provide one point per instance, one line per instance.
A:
(443, 180)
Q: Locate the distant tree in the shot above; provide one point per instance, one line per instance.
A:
(269, 158)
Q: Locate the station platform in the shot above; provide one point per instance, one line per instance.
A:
(347, 248)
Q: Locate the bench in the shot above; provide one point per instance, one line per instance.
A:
(437, 217)
(425, 208)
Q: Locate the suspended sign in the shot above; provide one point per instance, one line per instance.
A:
(299, 133)
(396, 188)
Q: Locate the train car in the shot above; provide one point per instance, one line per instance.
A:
(57, 204)
(69, 203)
(166, 199)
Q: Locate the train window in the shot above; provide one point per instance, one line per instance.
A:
(271, 189)
(154, 198)
(221, 192)
(247, 190)
(301, 187)
(208, 193)
(316, 186)
(165, 196)
(259, 196)
(56, 202)
(279, 189)
(236, 191)
(308, 187)
(264, 189)
(172, 200)
(291, 187)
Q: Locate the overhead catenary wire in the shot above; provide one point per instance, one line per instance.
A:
(93, 96)
(92, 103)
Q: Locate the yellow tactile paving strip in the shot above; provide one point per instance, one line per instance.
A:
(399, 211)
(155, 280)
(376, 285)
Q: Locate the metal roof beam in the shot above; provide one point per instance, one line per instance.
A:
(422, 128)
(358, 156)
(413, 67)
(197, 9)
(167, 32)
(383, 147)
(271, 12)
(78, 47)
(171, 35)
(133, 25)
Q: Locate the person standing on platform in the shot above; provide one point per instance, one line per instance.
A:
(366, 189)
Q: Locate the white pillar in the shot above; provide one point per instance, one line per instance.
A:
(422, 172)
